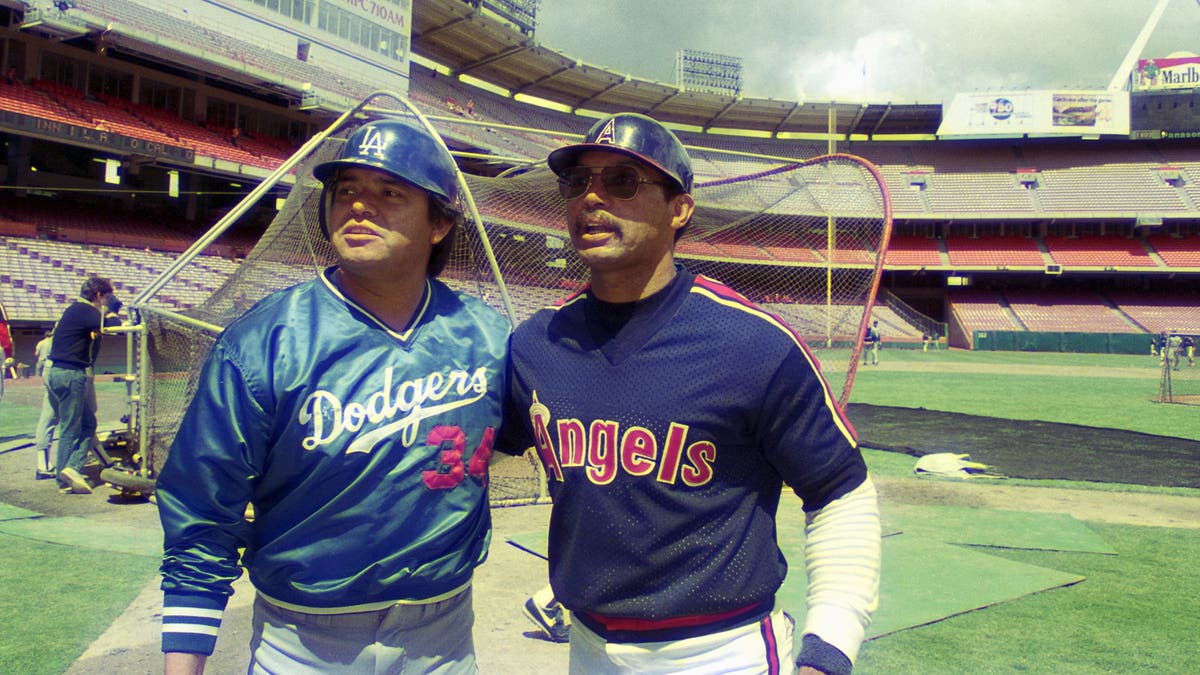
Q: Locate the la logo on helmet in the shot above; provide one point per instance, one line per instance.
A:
(373, 143)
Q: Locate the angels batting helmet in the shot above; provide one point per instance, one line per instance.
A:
(635, 135)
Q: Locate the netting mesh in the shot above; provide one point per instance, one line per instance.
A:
(804, 240)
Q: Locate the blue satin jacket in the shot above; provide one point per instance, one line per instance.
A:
(363, 450)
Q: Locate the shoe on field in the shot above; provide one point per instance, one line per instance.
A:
(552, 620)
(76, 481)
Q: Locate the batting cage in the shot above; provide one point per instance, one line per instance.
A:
(803, 239)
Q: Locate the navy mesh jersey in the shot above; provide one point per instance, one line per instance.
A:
(668, 428)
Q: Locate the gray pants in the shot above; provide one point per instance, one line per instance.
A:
(74, 399)
(403, 639)
(43, 436)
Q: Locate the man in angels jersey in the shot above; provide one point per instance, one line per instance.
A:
(669, 413)
(356, 413)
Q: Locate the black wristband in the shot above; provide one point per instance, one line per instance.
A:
(819, 654)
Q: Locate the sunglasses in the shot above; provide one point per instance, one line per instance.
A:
(619, 181)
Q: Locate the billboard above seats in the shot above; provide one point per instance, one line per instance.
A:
(1036, 113)
(1167, 74)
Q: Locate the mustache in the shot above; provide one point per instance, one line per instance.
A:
(594, 218)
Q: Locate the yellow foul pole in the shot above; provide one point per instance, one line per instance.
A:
(830, 237)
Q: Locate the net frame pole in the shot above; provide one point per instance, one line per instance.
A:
(876, 274)
(138, 306)
(251, 198)
(876, 268)
(468, 201)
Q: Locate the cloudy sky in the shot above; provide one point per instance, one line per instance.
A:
(876, 51)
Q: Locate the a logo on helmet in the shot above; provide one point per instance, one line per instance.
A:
(608, 134)
(373, 143)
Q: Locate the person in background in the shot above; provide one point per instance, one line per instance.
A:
(6, 345)
(43, 434)
(73, 352)
(1175, 350)
(871, 344)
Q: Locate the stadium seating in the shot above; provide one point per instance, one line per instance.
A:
(1176, 251)
(905, 196)
(735, 245)
(892, 326)
(1056, 311)
(978, 193)
(913, 252)
(1104, 189)
(22, 99)
(981, 310)
(787, 246)
(57, 102)
(981, 178)
(1158, 313)
(441, 96)
(816, 322)
(38, 278)
(994, 251)
(693, 247)
(99, 115)
(1099, 251)
(193, 37)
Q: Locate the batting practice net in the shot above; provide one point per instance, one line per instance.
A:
(804, 240)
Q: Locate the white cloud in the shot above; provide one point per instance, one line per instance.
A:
(885, 64)
(917, 50)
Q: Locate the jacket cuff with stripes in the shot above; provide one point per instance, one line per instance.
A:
(190, 622)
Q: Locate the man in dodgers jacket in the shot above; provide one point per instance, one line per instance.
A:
(356, 413)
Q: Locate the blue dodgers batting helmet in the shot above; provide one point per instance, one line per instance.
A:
(409, 152)
(635, 135)
(404, 149)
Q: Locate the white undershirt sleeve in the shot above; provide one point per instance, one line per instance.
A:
(842, 558)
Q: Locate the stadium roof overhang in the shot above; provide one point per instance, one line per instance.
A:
(472, 42)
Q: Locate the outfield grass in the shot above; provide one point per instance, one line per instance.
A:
(1134, 612)
(1114, 391)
